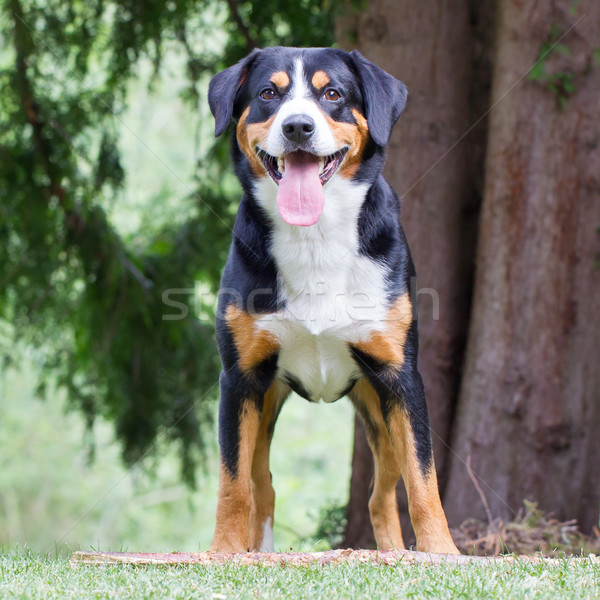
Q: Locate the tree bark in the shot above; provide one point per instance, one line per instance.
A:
(529, 408)
(359, 533)
(428, 46)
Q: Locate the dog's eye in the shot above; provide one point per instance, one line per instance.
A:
(267, 94)
(332, 95)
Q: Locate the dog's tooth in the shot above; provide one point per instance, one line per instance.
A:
(281, 164)
(321, 164)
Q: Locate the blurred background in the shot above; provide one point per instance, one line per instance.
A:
(113, 190)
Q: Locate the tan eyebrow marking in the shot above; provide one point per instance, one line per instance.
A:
(281, 79)
(320, 79)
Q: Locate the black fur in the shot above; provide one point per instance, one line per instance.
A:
(297, 386)
(384, 97)
(222, 91)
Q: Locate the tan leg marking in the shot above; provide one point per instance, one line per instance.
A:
(233, 506)
(281, 79)
(383, 504)
(263, 494)
(424, 504)
(395, 453)
(388, 346)
(320, 79)
(253, 345)
(250, 135)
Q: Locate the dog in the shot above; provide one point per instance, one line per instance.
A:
(315, 292)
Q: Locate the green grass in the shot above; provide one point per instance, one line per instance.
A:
(27, 576)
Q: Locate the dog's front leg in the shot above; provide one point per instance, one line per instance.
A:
(263, 494)
(400, 420)
(239, 418)
(409, 433)
(383, 504)
(404, 412)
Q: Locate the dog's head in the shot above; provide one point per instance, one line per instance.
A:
(304, 117)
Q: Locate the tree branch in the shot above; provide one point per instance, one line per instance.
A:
(235, 15)
(74, 220)
(484, 501)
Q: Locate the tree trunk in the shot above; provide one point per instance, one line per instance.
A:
(529, 409)
(427, 46)
(359, 533)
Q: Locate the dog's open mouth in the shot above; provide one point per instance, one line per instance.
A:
(328, 165)
(300, 177)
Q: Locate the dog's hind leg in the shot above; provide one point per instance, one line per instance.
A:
(262, 492)
(383, 505)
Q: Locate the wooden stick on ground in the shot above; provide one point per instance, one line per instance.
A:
(388, 557)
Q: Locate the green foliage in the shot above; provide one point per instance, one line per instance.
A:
(560, 83)
(88, 300)
(573, 7)
(332, 521)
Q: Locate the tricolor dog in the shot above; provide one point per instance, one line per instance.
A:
(315, 294)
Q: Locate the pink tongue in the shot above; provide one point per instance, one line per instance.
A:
(300, 195)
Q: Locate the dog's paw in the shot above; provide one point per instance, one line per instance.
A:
(228, 546)
(438, 546)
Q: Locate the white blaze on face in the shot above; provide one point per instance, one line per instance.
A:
(301, 102)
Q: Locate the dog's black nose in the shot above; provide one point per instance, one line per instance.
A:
(298, 128)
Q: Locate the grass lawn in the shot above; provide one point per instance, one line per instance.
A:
(30, 576)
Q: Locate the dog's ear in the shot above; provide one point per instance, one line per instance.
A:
(223, 88)
(384, 97)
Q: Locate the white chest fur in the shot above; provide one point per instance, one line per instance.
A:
(333, 295)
